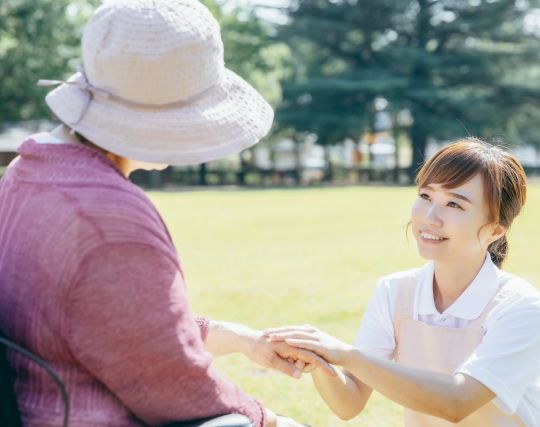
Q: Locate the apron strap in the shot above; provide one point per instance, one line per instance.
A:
(404, 304)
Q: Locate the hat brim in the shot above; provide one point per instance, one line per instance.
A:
(225, 120)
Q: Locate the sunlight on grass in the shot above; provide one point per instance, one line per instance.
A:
(273, 257)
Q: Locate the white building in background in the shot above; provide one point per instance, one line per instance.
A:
(527, 155)
(282, 156)
(13, 136)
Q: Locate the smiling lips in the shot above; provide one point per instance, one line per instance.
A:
(431, 238)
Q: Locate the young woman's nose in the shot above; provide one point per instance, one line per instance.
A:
(432, 216)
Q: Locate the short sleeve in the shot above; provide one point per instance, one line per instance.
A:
(508, 358)
(376, 333)
(130, 325)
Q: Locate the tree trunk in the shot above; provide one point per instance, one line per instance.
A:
(418, 130)
(537, 165)
(202, 174)
(371, 163)
(328, 172)
(241, 174)
(418, 137)
(297, 160)
(154, 179)
(395, 135)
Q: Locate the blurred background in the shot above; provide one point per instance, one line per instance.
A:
(363, 89)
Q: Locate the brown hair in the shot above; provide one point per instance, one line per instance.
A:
(505, 182)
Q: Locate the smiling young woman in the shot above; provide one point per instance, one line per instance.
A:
(455, 341)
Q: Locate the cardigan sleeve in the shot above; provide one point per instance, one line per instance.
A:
(203, 323)
(130, 325)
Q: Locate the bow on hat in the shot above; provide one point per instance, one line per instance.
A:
(92, 91)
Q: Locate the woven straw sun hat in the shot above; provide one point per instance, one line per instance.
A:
(154, 86)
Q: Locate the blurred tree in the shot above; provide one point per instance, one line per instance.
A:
(41, 39)
(252, 53)
(38, 39)
(524, 129)
(451, 63)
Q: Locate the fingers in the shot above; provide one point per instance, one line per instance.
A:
(310, 345)
(308, 368)
(300, 364)
(286, 366)
(284, 329)
(305, 367)
(299, 335)
(309, 358)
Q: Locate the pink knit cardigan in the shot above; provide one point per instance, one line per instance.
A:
(91, 282)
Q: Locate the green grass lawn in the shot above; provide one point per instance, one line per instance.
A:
(275, 257)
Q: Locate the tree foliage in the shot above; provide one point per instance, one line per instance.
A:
(454, 64)
(251, 51)
(38, 39)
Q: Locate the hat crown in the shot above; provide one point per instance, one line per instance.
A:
(153, 52)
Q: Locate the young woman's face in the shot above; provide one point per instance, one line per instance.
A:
(448, 224)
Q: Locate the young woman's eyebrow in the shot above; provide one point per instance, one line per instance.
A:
(451, 193)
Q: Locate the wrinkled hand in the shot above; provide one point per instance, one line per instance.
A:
(281, 356)
(306, 337)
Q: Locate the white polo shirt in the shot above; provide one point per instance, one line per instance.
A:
(507, 361)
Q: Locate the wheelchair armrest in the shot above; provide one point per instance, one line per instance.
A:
(232, 420)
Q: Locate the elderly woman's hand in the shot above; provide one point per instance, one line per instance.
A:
(309, 338)
(225, 338)
(282, 357)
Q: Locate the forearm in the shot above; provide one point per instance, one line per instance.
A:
(345, 396)
(445, 396)
(226, 338)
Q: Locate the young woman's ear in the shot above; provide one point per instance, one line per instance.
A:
(497, 232)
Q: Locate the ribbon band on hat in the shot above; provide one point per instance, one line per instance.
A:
(92, 91)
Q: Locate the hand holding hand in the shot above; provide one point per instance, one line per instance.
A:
(307, 337)
(279, 355)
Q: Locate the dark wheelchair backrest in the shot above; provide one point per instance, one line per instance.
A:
(9, 411)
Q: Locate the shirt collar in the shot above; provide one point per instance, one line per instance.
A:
(46, 138)
(471, 302)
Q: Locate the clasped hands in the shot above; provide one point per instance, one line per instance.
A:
(294, 350)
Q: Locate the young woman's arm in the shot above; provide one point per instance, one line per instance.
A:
(345, 395)
(451, 397)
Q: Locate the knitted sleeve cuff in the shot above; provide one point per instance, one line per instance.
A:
(203, 323)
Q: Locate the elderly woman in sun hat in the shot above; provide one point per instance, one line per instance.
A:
(89, 276)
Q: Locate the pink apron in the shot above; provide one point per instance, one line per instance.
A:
(442, 350)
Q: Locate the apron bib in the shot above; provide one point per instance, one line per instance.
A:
(442, 350)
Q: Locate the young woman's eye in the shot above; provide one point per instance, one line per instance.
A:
(454, 205)
(424, 196)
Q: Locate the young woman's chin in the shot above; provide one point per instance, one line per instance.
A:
(437, 253)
